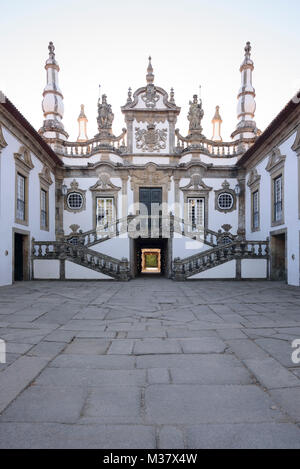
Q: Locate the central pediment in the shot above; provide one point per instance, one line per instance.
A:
(150, 98)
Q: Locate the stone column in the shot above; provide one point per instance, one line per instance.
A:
(298, 158)
(176, 179)
(129, 123)
(242, 207)
(172, 121)
(59, 207)
(124, 178)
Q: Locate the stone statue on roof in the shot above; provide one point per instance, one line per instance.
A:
(105, 115)
(195, 114)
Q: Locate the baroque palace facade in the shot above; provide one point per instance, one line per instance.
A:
(149, 201)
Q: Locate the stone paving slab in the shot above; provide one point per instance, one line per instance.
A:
(47, 404)
(65, 436)
(149, 364)
(271, 374)
(107, 362)
(15, 378)
(244, 436)
(113, 404)
(183, 404)
(90, 377)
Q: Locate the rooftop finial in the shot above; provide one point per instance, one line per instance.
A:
(217, 121)
(217, 116)
(82, 114)
(150, 76)
(172, 99)
(248, 49)
(51, 49)
(129, 98)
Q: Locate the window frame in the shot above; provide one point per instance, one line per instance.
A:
(77, 209)
(113, 211)
(275, 177)
(227, 194)
(255, 213)
(24, 175)
(277, 203)
(202, 204)
(74, 187)
(23, 166)
(21, 177)
(225, 190)
(44, 190)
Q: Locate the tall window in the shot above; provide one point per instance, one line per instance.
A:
(104, 211)
(255, 210)
(278, 198)
(44, 214)
(20, 197)
(196, 212)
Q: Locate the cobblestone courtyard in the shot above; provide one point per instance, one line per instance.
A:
(149, 364)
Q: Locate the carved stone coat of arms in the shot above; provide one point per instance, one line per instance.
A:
(151, 139)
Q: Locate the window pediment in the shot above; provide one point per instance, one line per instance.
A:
(3, 143)
(276, 161)
(45, 176)
(23, 159)
(296, 145)
(254, 178)
(104, 184)
(196, 184)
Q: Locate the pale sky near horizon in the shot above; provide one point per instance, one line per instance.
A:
(192, 43)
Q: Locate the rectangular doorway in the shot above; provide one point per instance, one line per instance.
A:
(160, 256)
(151, 261)
(21, 257)
(278, 256)
(151, 199)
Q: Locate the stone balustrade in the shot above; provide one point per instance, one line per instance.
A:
(238, 249)
(118, 269)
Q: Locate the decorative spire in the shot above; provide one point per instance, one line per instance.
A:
(246, 127)
(82, 121)
(150, 76)
(52, 103)
(217, 122)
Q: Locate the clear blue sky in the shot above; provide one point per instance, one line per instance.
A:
(192, 42)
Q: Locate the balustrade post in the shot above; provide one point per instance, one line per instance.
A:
(124, 269)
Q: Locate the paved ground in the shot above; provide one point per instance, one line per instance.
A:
(149, 364)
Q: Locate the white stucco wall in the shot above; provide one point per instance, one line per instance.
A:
(7, 205)
(186, 247)
(46, 269)
(291, 220)
(226, 270)
(254, 268)
(114, 247)
(79, 272)
(216, 161)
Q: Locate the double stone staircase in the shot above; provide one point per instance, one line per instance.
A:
(76, 248)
